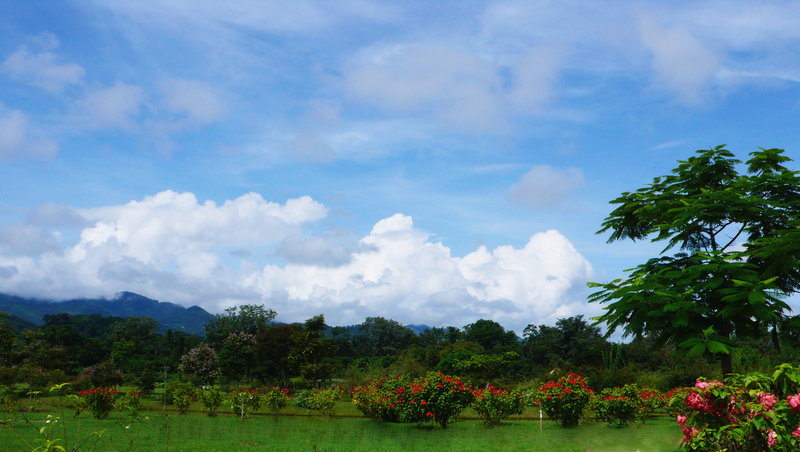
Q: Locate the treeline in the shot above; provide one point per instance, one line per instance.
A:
(245, 345)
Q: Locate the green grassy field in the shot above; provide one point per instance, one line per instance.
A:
(197, 432)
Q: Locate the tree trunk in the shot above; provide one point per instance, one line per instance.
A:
(727, 365)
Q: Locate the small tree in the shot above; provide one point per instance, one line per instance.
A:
(200, 365)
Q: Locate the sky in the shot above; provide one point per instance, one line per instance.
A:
(429, 162)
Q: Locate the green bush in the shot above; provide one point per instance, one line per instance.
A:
(564, 400)
(323, 400)
(494, 405)
(618, 406)
(435, 398)
(182, 397)
(211, 398)
(276, 399)
(244, 401)
(378, 400)
(100, 401)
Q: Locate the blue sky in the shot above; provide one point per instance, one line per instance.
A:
(430, 162)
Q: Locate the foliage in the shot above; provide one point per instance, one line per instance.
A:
(571, 339)
(200, 365)
(494, 405)
(323, 400)
(382, 337)
(732, 267)
(753, 412)
(564, 400)
(237, 354)
(247, 318)
(486, 368)
(100, 401)
(131, 401)
(101, 375)
(244, 401)
(276, 399)
(379, 399)
(435, 398)
(651, 399)
(211, 398)
(182, 398)
(489, 334)
(618, 406)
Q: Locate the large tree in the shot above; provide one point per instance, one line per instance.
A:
(247, 318)
(723, 272)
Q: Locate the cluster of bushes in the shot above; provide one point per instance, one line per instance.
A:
(435, 398)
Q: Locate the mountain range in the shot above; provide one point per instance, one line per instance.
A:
(169, 316)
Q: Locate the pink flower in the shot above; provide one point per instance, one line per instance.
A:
(794, 402)
(681, 420)
(706, 384)
(767, 399)
(796, 433)
(772, 438)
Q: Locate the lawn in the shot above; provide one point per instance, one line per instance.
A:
(197, 432)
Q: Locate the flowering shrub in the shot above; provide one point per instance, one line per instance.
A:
(323, 400)
(182, 397)
(211, 398)
(435, 398)
(276, 399)
(244, 401)
(379, 399)
(200, 365)
(100, 401)
(746, 413)
(131, 401)
(618, 406)
(652, 399)
(565, 400)
(493, 405)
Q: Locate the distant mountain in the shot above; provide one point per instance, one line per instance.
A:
(125, 304)
(418, 329)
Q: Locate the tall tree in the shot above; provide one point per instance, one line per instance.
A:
(247, 318)
(721, 280)
(489, 335)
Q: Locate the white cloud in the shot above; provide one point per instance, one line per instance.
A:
(545, 186)
(405, 276)
(173, 228)
(684, 63)
(19, 138)
(455, 86)
(115, 107)
(41, 70)
(198, 101)
(170, 247)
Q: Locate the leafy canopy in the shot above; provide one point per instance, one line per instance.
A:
(722, 272)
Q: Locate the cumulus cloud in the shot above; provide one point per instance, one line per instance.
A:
(19, 138)
(171, 247)
(684, 63)
(545, 186)
(42, 70)
(406, 276)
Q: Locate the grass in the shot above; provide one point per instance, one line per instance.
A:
(297, 432)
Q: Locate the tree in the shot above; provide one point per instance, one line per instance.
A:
(489, 334)
(382, 337)
(247, 318)
(200, 365)
(572, 340)
(728, 274)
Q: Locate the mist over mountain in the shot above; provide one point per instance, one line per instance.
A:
(169, 316)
